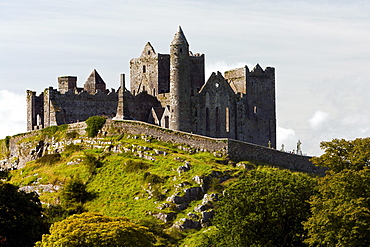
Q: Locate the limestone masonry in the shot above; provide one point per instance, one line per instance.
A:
(169, 90)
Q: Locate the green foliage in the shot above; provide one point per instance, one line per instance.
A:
(52, 130)
(55, 213)
(4, 147)
(20, 217)
(152, 178)
(73, 195)
(134, 166)
(265, 207)
(91, 162)
(202, 238)
(7, 141)
(342, 154)
(91, 230)
(71, 135)
(71, 148)
(4, 174)
(94, 124)
(49, 159)
(215, 185)
(341, 210)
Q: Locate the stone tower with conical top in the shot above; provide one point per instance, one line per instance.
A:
(180, 86)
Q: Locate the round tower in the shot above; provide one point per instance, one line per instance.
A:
(180, 89)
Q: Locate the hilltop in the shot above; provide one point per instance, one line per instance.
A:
(153, 176)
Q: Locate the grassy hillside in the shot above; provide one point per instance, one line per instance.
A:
(127, 175)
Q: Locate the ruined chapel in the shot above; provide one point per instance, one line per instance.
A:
(169, 90)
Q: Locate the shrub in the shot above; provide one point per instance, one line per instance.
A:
(73, 195)
(90, 229)
(20, 217)
(135, 166)
(152, 178)
(94, 124)
(72, 135)
(7, 141)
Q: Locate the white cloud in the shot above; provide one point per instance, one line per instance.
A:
(286, 137)
(318, 118)
(12, 113)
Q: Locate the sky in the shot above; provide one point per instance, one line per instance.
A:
(320, 51)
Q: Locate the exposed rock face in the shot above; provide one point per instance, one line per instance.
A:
(165, 217)
(191, 194)
(186, 223)
(206, 218)
(184, 168)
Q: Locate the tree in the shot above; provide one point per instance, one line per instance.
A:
(341, 209)
(20, 217)
(89, 229)
(264, 208)
(342, 154)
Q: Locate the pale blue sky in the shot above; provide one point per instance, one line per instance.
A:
(320, 50)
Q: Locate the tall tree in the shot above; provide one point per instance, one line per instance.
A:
(341, 154)
(341, 209)
(20, 217)
(264, 208)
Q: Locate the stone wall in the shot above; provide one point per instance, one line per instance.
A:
(239, 151)
(24, 148)
(236, 150)
(182, 138)
(74, 107)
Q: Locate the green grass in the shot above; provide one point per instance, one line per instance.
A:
(124, 184)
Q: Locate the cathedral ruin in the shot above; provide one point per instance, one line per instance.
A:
(169, 90)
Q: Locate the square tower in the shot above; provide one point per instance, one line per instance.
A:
(66, 83)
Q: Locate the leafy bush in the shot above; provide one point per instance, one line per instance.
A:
(54, 213)
(152, 178)
(72, 135)
(264, 208)
(215, 185)
(4, 174)
(20, 217)
(94, 124)
(90, 229)
(7, 141)
(134, 166)
(73, 195)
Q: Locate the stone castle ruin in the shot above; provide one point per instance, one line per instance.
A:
(169, 90)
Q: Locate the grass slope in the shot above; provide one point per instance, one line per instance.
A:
(120, 182)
